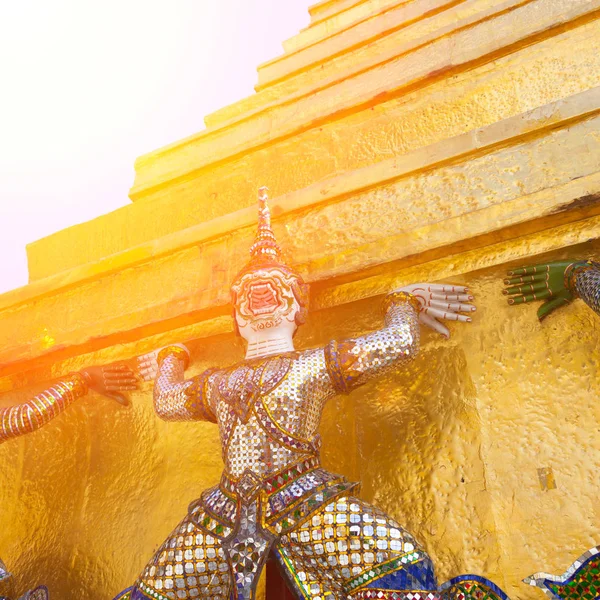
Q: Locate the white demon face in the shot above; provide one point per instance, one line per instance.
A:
(264, 299)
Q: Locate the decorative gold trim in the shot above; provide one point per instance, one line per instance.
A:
(399, 297)
(176, 351)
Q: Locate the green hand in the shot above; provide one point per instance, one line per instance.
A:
(540, 282)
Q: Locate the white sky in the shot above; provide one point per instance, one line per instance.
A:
(87, 86)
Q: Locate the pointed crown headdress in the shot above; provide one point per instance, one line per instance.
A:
(265, 247)
(265, 252)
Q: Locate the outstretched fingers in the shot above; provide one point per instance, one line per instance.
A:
(146, 360)
(453, 306)
(121, 374)
(524, 298)
(527, 288)
(448, 315)
(451, 297)
(148, 374)
(445, 289)
(120, 380)
(529, 270)
(114, 387)
(147, 366)
(118, 368)
(441, 301)
(541, 276)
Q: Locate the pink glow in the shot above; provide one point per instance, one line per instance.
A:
(89, 86)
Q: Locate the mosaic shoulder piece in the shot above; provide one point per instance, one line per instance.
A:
(198, 397)
(351, 363)
(35, 413)
(581, 581)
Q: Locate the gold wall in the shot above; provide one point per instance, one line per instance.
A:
(450, 447)
(402, 141)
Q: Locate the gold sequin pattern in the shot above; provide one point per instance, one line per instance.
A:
(190, 564)
(269, 409)
(341, 542)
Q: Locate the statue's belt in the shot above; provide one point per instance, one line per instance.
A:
(283, 500)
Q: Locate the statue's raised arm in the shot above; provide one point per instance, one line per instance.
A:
(558, 282)
(353, 362)
(109, 380)
(175, 398)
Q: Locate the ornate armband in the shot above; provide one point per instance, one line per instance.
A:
(78, 383)
(176, 351)
(340, 359)
(197, 398)
(575, 269)
(398, 297)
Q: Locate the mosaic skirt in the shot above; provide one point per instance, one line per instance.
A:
(347, 549)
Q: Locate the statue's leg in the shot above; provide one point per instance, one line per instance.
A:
(349, 547)
(189, 565)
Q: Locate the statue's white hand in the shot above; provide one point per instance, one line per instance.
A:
(147, 365)
(439, 301)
